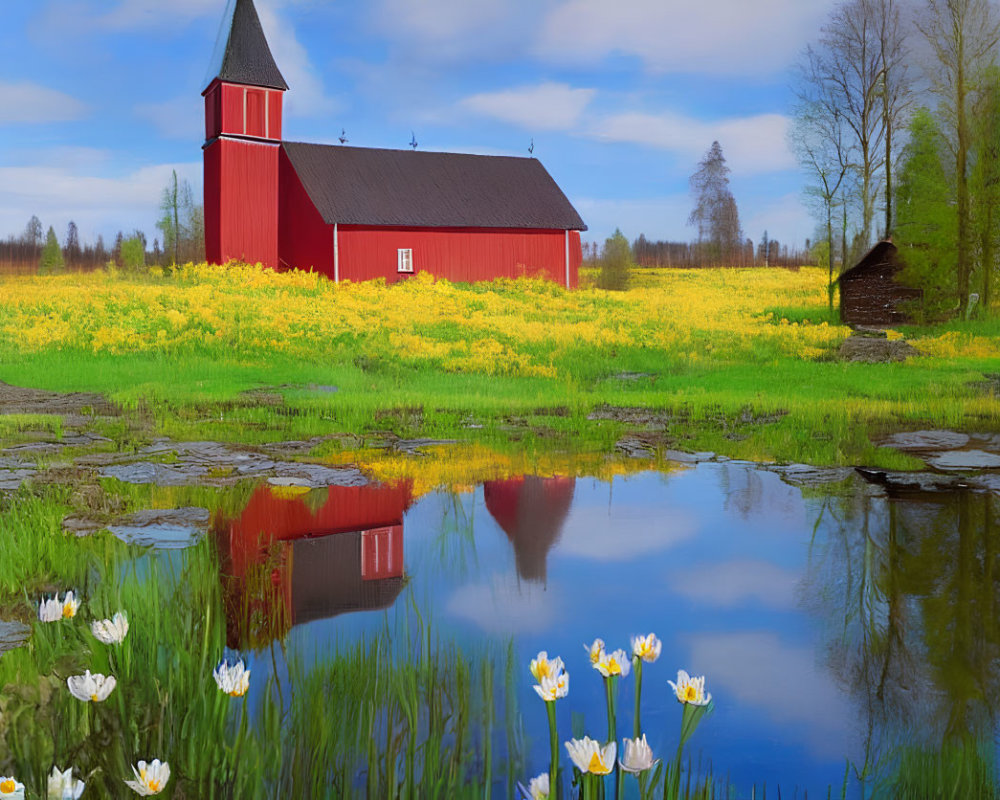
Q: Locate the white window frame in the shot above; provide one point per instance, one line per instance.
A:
(404, 260)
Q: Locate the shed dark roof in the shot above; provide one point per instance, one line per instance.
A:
(247, 59)
(368, 186)
(883, 252)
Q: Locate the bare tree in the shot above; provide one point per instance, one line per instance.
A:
(715, 214)
(858, 70)
(820, 140)
(963, 35)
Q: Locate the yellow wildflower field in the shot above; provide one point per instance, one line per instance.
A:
(517, 328)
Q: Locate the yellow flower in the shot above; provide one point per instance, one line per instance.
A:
(544, 667)
(551, 688)
(70, 606)
(595, 650)
(233, 680)
(54, 609)
(589, 756)
(690, 690)
(646, 647)
(149, 778)
(611, 664)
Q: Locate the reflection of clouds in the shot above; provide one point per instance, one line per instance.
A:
(623, 533)
(732, 583)
(505, 606)
(782, 681)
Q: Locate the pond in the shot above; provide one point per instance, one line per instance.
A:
(847, 631)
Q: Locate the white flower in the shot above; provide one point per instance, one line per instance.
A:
(638, 756)
(552, 688)
(595, 650)
(690, 690)
(588, 755)
(111, 631)
(10, 787)
(62, 786)
(538, 787)
(646, 647)
(91, 688)
(545, 667)
(233, 680)
(54, 609)
(616, 663)
(149, 778)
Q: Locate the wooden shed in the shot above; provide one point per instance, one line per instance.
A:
(357, 213)
(870, 292)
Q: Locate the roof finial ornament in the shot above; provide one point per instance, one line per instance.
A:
(531, 147)
(413, 140)
(343, 136)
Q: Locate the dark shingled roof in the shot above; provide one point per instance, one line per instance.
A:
(248, 59)
(884, 252)
(368, 186)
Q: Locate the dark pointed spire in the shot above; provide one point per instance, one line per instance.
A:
(247, 58)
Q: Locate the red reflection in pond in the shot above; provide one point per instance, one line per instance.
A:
(289, 559)
(531, 511)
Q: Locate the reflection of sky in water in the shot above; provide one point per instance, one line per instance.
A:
(710, 559)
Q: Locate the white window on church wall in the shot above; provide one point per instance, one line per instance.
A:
(404, 259)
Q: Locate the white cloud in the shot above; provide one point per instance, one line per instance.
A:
(30, 102)
(751, 145)
(98, 203)
(719, 37)
(181, 118)
(621, 534)
(733, 583)
(505, 606)
(306, 96)
(781, 681)
(549, 105)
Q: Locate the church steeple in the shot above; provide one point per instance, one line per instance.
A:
(245, 57)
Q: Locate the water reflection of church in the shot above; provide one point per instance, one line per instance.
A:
(292, 556)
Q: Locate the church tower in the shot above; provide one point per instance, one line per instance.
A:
(242, 139)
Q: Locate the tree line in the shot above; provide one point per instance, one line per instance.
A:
(897, 126)
(181, 224)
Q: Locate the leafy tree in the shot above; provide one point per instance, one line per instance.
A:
(616, 258)
(984, 183)
(52, 256)
(963, 35)
(926, 216)
(715, 214)
(133, 253)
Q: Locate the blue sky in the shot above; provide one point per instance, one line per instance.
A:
(100, 99)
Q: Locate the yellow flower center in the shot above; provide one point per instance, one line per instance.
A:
(153, 785)
(236, 693)
(544, 669)
(690, 693)
(596, 766)
(8, 786)
(93, 697)
(613, 667)
(68, 611)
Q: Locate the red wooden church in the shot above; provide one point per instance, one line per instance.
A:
(359, 213)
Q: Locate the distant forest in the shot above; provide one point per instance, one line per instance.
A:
(692, 255)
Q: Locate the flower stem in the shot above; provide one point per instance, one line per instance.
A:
(554, 792)
(610, 685)
(636, 727)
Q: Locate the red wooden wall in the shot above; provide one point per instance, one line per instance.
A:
(241, 223)
(458, 254)
(304, 240)
(225, 104)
